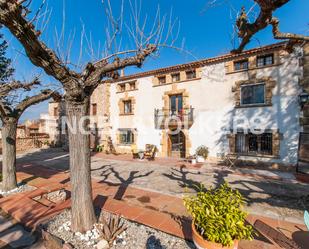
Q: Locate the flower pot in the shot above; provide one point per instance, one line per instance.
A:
(201, 243)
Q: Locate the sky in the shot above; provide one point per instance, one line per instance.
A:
(202, 31)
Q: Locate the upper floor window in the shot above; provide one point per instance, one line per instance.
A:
(253, 94)
(132, 85)
(265, 60)
(122, 87)
(126, 136)
(94, 109)
(162, 80)
(56, 111)
(175, 77)
(127, 105)
(191, 74)
(254, 143)
(241, 65)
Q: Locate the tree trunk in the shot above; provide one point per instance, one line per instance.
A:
(83, 215)
(9, 129)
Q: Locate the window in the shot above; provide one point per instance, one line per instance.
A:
(191, 74)
(254, 143)
(175, 77)
(56, 112)
(126, 136)
(176, 104)
(265, 60)
(241, 65)
(122, 87)
(162, 80)
(127, 104)
(253, 94)
(94, 109)
(132, 85)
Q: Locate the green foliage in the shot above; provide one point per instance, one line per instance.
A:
(218, 215)
(5, 63)
(202, 151)
(99, 148)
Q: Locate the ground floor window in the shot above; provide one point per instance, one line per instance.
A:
(254, 143)
(126, 136)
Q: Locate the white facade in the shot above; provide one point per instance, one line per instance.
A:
(213, 101)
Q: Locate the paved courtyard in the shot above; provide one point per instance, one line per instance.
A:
(269, 193)
(150, 193)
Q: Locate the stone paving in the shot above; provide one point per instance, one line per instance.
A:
(123, 187)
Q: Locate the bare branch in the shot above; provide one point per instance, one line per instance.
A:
(44, 95)
(39, 54)
(246, 29)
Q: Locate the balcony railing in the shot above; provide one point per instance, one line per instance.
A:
(168, 119)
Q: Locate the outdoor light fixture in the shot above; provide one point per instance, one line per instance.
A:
(303, 98)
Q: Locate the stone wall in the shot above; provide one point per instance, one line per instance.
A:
(28, 143)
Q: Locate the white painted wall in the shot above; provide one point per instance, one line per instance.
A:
(213, 102)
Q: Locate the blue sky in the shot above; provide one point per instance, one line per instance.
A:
(206, 33)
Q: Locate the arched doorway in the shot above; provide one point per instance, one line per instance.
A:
(177, 145)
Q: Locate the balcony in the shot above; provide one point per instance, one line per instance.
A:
(168, 119)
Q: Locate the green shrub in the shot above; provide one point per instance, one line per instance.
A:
(99, 148)
(218, 216)
(202, 151)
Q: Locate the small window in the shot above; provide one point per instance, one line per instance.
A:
(132, 86)
(94, 109)
(253, 94)
(127, 107)
(126, 136)
(162, 80)
(265, 60)
(176, 77)
(56, 111)
(241, 65)
(191, 74)
(122, 87)
(254, 143)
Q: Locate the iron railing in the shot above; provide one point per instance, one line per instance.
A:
(165, 118)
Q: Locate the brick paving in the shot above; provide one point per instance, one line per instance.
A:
(156, 210)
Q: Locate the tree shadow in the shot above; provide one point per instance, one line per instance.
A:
(108, 170)
(182, 178)
(288, 195)
(154, 243)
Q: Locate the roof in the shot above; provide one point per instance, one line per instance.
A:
(204, 62)
(34, 126)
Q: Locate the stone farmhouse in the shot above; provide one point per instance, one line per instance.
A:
(246, 104)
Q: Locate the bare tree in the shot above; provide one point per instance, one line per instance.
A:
(10, 112)
(246, 29)
(79, 86)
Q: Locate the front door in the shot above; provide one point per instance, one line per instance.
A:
(177, 145)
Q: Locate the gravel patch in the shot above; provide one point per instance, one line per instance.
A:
(21, 188)
(136, 236)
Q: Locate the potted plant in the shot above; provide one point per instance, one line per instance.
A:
(201, 154)
(218, 219)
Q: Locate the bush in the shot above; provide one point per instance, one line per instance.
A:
(217, 215)
(202, 151)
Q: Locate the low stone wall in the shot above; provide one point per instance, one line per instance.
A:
(27, 143)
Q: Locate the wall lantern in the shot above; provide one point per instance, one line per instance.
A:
(303, 98)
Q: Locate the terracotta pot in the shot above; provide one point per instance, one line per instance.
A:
(201, 243)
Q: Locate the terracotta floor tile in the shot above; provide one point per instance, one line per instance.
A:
(151, 218)
(131, 212)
